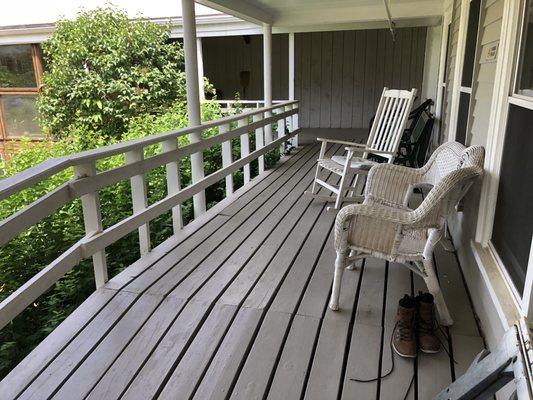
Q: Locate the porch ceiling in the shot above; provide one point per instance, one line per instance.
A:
(317, 15)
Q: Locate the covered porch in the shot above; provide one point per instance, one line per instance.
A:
(235, 306)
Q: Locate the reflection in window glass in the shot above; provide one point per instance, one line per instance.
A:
(525, 66)
(16, 66)
(20, 116)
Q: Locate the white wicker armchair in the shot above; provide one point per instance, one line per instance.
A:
(385, 227)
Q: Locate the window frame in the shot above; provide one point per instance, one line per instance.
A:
(18, 91)
(459, 69)
(504, 95)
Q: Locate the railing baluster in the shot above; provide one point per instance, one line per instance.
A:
(245, 149)
(259, 142)
(92, 220)
(139, 199)
(281, 129)
(226, 158)
(295, 125)
(173, 183)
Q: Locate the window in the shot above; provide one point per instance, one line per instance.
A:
(468, 71)
(20, 116)
(16, 67)
(20, 77)
(512, 229)
(513, 220)
(524, 81)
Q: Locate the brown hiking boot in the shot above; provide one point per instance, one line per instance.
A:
(403, 336)
(427, 324)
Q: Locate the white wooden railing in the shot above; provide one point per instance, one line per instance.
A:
(86, 182)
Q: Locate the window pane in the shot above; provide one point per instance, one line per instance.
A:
(525, 66)
(20, 115)
(513, 220)
(16, 66)
(470, 46)
(462, 117)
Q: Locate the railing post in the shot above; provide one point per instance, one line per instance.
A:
(259, 141)
(245, 148)
(295, 125)
(281, 129)
(226, 158)
(92, 219)
(267, 76)
(139, 199)
(173, 183)
(193, 97)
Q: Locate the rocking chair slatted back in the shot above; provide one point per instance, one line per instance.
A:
(391, 118)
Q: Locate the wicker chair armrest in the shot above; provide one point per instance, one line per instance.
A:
(391, 184)
(384, 213)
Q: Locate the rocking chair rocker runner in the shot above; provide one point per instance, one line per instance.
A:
(385, 227)
(383, 141)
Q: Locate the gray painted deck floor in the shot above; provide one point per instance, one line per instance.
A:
(236, 307)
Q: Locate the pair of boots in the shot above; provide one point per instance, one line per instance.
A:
(415, 325)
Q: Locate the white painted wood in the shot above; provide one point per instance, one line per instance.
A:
(245, 148)
(498, 121)
(110, 235)
(92, 219)
(30, 176)
(173, 182)
(15, 303)
(200, 56)
(267, 76)
(226, 157)
(295, 126)
(193, 97)
(139, 199)
(259, 142)
(33, 213)
(87, 182)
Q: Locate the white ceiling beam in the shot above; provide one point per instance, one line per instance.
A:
(294, 20)
(241, 9)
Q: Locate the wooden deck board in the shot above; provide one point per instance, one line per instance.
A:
(237, 308)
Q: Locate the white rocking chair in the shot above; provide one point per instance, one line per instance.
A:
(384, 139)
(385, 227)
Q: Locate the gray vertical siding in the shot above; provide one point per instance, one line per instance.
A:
(339, 76)
(225, 57)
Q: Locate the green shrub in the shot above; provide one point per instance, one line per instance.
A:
(103, 69)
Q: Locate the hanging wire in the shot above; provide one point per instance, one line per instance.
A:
(392, 25)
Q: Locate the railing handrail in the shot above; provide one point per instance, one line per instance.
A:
(48, 168)
(87, 181)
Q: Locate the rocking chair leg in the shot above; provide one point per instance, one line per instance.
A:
(433, 286)
(315, 185)
(340, 262)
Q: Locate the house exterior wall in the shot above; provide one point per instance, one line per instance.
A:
(339, 76)
(225, 57)
(463, 224)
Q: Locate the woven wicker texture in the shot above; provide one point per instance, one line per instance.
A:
(384, 226)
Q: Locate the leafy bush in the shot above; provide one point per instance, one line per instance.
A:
(103, 70)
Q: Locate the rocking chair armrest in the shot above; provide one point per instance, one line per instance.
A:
(344, 142)
(358, 149)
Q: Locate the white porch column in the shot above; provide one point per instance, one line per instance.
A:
(294, 118)
(200, 53)
(193, 97)
(267, 76)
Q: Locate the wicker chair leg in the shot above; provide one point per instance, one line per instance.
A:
(434, 288)
(340, 264)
